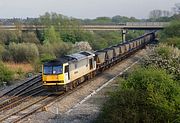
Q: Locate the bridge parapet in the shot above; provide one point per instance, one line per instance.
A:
(153, 24)
(128, 25)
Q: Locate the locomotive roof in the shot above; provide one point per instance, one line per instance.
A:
(73, 57)
(56, 62)
(81, 55)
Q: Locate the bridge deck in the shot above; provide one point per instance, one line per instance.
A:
(128, 25)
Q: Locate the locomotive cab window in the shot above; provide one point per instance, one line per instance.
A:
(91, 63)
(47, 70)
(57, 69)
(66, 69)
(53, 70)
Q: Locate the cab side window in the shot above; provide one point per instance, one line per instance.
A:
(66, 69)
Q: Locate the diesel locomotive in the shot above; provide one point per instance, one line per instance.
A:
(69, 71)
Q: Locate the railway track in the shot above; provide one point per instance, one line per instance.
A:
(44, 100)
(21, 88)
(19, 94)
(22, 109)
(16, 100)
(15, 91)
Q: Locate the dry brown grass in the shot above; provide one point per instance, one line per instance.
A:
(25, 67)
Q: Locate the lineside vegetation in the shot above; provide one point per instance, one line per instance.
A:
(150, 93)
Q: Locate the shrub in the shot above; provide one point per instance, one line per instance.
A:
(29, 37)
(46, 49)
(148, 95)
(2, 49)
(98, 43)
(37, 65)
(173, 30)
(54, 50)
(175, 41)
(51, 35)
(61, 49)
(24, 52)
(7, 37)
(5, 74)
(6, 56)
(164, 51)
(165, 57)
(46, 57)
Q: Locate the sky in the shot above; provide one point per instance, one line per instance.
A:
(83, 8)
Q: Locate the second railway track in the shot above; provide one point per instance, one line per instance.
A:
(21, 88)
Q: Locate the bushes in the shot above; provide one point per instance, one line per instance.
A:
(61, 49)
(175, 41)
(148, 95)
(46, 57)
(5, 74)
(6, 37)
(51, 35)
(173, 30)
(29, 37)
(165, 57)
(2, 49)
(23, 52)
(171, 34)
(54, 50)
(166, 51)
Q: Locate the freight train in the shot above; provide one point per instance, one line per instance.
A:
(69, 71)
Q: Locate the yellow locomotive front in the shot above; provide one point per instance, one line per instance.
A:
(54, 74)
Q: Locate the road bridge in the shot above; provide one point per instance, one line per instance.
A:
(128, 26)
(95, 27)
(123, 27)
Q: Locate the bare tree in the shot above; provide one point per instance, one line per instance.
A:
(166, 13)
(176, 9)
(154, 14)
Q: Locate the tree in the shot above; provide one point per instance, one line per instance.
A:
(154, 14)
(166, 13)
(123, 19)
(24, 52)
(173, 30)
(176, 9)
(29, 37)
(7, 37)
(51, 35)
(102, 20)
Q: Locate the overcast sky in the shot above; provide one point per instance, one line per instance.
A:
(83, 8)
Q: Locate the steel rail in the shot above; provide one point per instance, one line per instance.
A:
(26, 107)
(13, 102)
(19, 86)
